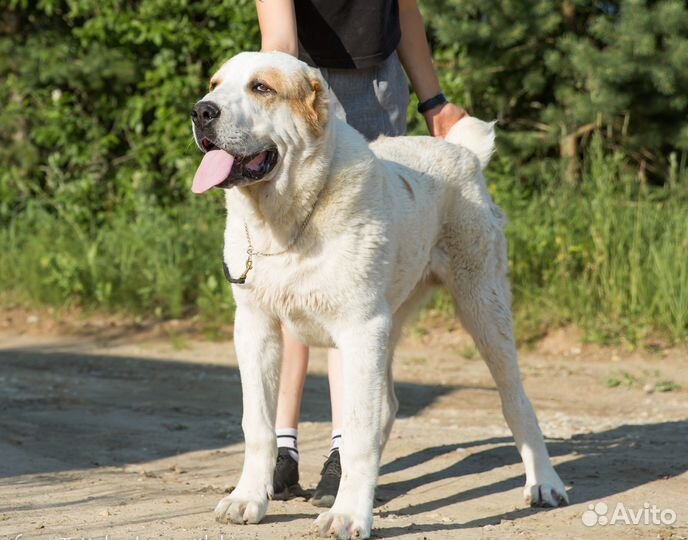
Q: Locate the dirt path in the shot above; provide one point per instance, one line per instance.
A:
(141, 439)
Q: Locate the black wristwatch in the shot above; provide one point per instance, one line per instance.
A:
(431, 103)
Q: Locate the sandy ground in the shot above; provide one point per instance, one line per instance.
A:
(126, 438)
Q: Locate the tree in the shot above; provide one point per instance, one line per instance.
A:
(553, 72)
(97, 95)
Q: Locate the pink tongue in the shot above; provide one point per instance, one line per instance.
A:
(213, 170)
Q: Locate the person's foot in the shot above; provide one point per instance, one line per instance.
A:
(328, 486)
(285, 480)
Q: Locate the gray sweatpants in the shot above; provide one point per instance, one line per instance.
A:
(372, 100)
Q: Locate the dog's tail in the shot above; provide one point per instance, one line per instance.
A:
(475, 135)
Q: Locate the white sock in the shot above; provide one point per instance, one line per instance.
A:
(286, 438)
(336, 440)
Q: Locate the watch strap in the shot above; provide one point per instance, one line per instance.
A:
(431, 103)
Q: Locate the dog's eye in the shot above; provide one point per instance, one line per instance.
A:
(261, 88)
(214, 83)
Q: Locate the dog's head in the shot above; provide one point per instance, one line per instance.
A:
(260, 107)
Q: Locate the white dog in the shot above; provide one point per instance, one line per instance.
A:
(339, 241)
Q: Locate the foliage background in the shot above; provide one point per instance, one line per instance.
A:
(96, 153)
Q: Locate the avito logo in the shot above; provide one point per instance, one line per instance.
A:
(597, 514)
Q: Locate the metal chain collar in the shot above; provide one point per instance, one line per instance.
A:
(251, 252)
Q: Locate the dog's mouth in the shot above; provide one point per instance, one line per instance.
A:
(221, 169)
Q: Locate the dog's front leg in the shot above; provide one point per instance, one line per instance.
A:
(258, 344)
(363, 349)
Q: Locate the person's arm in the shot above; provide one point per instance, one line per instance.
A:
(414, 53)
(277, 26)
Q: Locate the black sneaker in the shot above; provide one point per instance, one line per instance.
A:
(328, 486)
(285, 480)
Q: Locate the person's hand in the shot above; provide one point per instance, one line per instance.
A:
(440, 119)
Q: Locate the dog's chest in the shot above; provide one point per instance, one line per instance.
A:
(303, 298)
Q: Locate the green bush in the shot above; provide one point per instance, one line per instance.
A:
(97, 97)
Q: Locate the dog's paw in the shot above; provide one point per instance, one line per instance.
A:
(551, 492)
(236, 508)
(343, 525)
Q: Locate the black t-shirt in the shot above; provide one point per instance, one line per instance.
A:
(347, 33)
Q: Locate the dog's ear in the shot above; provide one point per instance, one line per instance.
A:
(315, 103)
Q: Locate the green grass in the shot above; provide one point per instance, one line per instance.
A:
(648, 381)
(607, 254)
(160, 263)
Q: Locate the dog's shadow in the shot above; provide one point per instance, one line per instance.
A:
(607, 463)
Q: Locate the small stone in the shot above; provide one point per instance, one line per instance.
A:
(32, 319)
(649, 388)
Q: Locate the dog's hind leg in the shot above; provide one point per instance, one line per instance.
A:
(482, 299)
(390, 405)
(258, 342)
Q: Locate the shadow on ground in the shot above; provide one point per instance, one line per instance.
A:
(604, 464)
(63, 411)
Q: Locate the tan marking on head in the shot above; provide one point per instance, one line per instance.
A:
(312, 106)
(302, 92)
(408, 187)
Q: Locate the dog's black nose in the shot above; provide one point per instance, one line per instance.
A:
(204, 113)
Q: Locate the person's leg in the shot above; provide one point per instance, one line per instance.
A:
(292, 380)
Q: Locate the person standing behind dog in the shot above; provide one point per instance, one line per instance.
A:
(360, 47)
